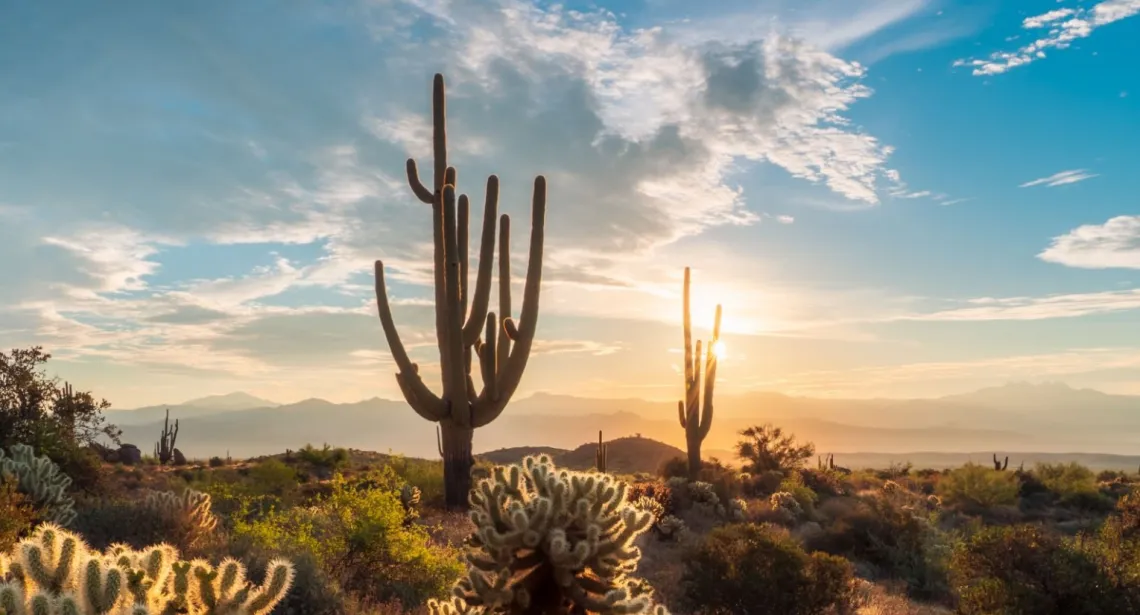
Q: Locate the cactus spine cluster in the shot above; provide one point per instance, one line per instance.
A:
(600, 455)
(164, 448)
(53, 572)
(40, 479)
(551, 541)
(696, 414)
(463, 324)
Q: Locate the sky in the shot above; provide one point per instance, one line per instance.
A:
(890, 198)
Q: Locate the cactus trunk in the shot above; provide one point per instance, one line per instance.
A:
(465, 328)
(455, 447)
(695, 411)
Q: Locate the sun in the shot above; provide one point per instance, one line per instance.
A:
(720, 350)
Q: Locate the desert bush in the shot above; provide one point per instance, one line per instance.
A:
(901, 542)
(17, 513)
(423, 474)
(766, 447)
(358, 537)
(825, 482)
(758, 569)
(185, 521)
(677, 467)
(763, 484)
(216, 462)
(977, 487)
(1028, 569)
(794, 484)
(1065, 479)
(326, 458)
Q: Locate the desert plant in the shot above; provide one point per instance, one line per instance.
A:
(54, 571)
(977, 486)
(600, 455)
(550, 541)
(326, 457)
(41, 480)
(164, 448)
(503, 354)
(17, 514)
(694, 413)
(766, 447)
(1067, 481)
(751, 569)
(1028, 569)
(670, 528)
(188, 514)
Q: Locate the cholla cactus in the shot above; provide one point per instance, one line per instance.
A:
(650, 506)
(703, 493)
(53, 572)
(550, 541)
(890, 487)
(410, 500)
(41, 480)
(737, 509)
(190, 511)
(783, 500)
(671, 528)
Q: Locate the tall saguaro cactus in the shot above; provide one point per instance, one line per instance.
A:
(694, 412)
(164, 448)
(464, 327)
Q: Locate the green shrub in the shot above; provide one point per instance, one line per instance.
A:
(326, 458)
(1067, 480)
(749, 569)
(357, 536)
(424, 474)
(217, 462)
(900, 540)
(975, 487)
(1027, 569)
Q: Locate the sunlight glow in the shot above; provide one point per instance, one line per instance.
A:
(719, 350)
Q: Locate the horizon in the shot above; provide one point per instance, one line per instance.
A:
(534, 394)
(893, 200)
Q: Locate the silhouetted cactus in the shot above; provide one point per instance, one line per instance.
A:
(600, 455)
(164, 448)
(695, 419)
(54, 572)
(551, 541)
(998, 465)
(461, 318)
(41, 480)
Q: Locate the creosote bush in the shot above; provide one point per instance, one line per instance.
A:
(551, 541)
(977, 487)
(750, 569)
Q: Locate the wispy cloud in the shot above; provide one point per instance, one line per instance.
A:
(1037, 308)
(1114, 244)
(1061, 178)
(1063, 26)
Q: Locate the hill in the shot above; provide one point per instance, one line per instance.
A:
(623, 455)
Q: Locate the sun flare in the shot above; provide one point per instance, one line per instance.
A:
(719, 349)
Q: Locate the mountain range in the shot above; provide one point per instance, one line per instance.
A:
(1049, 419)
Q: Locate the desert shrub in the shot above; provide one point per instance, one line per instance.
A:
(757, 569)
(763, 484)
(1028, 569)
(185, 521)
(765, 447)
(1071, 483)
(358, 537)
(677, 467)
(725, 481)
(825, 482)
(794, 484)
(901, 542)
(977, 487)
(326, 458)
(17, 514)
(216, 462)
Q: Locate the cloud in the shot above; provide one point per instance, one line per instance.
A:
(1061, 178)
(1063, 27)
(1112, 245)
(1037, 308)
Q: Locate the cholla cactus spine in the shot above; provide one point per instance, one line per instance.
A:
(545, 537)
(42, 480)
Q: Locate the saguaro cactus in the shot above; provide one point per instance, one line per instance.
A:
(998, 465)
(695, 419)
(460, 316)
(600, 455)
(164, 448)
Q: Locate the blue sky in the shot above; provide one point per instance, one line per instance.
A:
(890, 197)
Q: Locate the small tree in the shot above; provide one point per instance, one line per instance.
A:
(766, 448)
